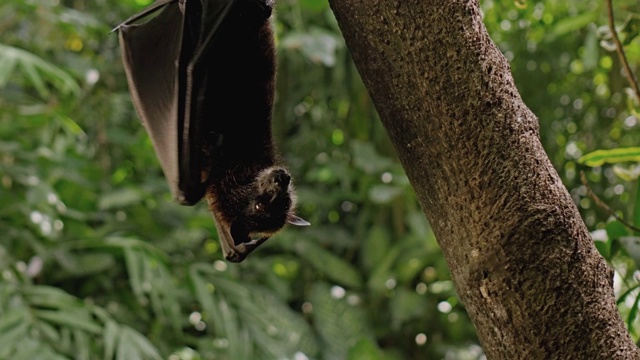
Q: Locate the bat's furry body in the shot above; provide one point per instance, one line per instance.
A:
(220, 90)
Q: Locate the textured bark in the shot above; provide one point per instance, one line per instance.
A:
(520, 256)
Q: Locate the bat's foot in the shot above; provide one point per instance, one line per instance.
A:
(235, 257)
(240, 252)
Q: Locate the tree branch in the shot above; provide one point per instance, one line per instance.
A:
(620, 51)
(603, 205)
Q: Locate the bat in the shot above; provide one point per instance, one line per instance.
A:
(201, 74)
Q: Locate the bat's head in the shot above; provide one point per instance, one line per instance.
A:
(270, 207)
(272, 203)
(267, 205)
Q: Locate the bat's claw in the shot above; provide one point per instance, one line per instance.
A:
(235, 257)
(240, 252)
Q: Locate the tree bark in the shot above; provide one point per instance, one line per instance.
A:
(520, 256)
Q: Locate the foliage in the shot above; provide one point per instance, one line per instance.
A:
(98, 262)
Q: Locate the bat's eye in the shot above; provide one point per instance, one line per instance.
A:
(260, 207)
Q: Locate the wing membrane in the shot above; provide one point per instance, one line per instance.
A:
(150, 51)
(198, 47)
(167, 71)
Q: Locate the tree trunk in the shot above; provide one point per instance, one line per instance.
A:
(520, 256)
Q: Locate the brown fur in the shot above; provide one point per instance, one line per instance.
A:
(249, 193)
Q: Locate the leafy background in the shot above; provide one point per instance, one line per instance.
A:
(97, 262)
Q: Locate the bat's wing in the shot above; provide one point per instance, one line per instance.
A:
(159, 4)
(164, 61)
(150, 52)
(204, 19)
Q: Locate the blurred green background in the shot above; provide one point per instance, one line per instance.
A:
(97, 262)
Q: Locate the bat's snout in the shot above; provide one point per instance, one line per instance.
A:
(282, 179)
(273, 181)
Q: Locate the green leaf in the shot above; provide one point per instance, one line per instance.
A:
(81, 345)
(126, 350)
(636, 206)
(140, 343)
(383, 271)
(570, 24)
(13, 327)
(26, 349)
(119, 199)
(231, 329)
(365, 349)
(135, 268)
(88, 263)
(203, 293)
(80, 19)
(366, 158)
(132, 345)
(384, 194)
(626, 293)
(163, 294)
(314, 5)
(633, 312)
(591, 54)
(632, 245)
(631, 28)
(48, 332)
(406, 305)
(332, 266)
(600, 157)
(13, 319)
(410, 264)
(7, 67)
(110, 335)
(627, 173)
(318, 45)
(603, 248)
(50, 297)
(615, 247)
(36, 70)
(276, 329)
(340, 325)
(375, 247)
(71, 319)
(616, 229)
(119, 244)
(419, 225)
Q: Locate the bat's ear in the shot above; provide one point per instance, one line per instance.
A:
(297, 221)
